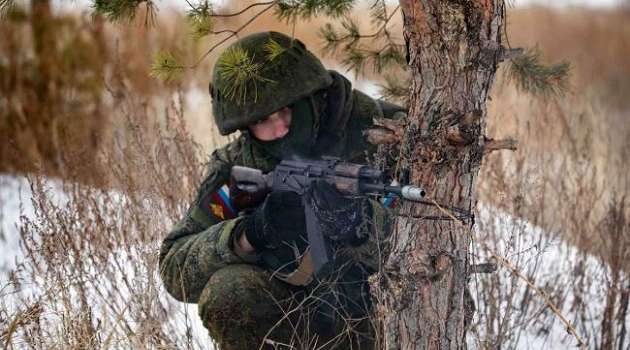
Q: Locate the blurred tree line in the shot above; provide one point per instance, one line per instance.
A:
(51, 88)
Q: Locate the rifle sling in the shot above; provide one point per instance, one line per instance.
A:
(303, 275)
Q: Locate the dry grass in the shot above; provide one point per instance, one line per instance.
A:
(88, 277)
(573, 155)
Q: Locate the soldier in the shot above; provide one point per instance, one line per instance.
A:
(241, 270)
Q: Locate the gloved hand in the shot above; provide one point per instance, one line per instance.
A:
(279, 219)
(341, 218)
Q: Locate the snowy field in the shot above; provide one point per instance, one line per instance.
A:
(503, 301)
(123, 267)
(13, 191)
(575, 281)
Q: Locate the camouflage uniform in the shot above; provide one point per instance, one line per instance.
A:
(240, 302)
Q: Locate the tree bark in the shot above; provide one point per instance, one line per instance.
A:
(454, 48)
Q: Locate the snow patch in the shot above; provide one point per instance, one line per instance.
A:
(127, 266)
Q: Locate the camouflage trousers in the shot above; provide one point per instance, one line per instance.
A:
(245, 308)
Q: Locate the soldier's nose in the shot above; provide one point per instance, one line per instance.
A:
(281, 123)
(281, 130)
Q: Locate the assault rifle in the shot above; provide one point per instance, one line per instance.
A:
(297, 175)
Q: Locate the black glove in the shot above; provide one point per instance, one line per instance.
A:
(341, 218)
(279, 219)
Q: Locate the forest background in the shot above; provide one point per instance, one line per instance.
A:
(107, 157)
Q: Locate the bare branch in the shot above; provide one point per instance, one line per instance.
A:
(243, 10)
(381, 29)
(492, 145)
(386, 131)
(234, 33)
(507, 264)
(489, 267)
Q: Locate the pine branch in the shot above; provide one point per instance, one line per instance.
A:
(491, 145)
(166, 67)
(378, 12)
(5, 7)
(289, 9)
(395, 89)
(331, 39)
(119, 10)
(532, 76)
(235, 32)
(389, 56)
(200, 19)
(356, 55)
(201, 26)
(353, 33)
(234, 14)
(273, 50)
(355, 60)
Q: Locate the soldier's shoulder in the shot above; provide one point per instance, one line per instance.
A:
(228, 153)
(365, 106)
(366, 109)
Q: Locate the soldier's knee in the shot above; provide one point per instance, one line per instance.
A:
(239, 304)
(229, 292)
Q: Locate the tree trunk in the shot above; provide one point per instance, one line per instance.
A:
(42, 114)
(454, 48)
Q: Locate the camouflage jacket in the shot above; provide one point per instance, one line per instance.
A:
(203, 241)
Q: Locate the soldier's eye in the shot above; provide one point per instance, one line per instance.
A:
(261, 121)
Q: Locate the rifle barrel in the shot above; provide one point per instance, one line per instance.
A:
(409, 192)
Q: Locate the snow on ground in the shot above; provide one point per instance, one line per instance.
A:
(14, 199)
(575, 281)
(531, 325)
(15, 202)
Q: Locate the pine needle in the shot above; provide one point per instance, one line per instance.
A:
(119, 10)
(288, 9)
(5, 7)
(534, 77)
(378, 12)
(240, 74)
(273, 50)
(331, 39)
(353, 33)
(165, 67)
(200, 20)
(355, 60)
(201, 26)
(390, 57)
(395, 89)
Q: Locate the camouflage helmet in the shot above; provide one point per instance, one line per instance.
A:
(258, 75)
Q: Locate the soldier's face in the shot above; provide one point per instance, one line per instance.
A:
(274, 127)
